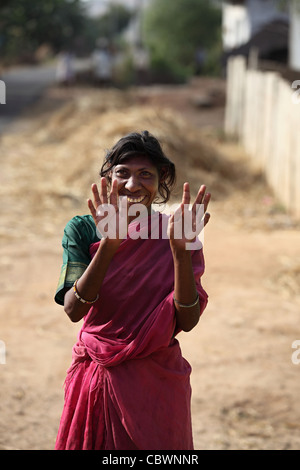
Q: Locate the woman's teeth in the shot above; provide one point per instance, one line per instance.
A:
(135, 199)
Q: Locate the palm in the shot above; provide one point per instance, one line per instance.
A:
(186, 223)
(106, 214)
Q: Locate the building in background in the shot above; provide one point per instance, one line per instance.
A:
(256, 25)
(294, 36)
(271, 27)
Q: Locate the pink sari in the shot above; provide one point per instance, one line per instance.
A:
(128, 387)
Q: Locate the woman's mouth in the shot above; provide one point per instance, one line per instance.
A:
(135, 200)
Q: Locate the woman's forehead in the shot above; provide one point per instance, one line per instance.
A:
(136, 162)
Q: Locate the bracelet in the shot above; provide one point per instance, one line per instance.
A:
(187, 306)
(80, 298)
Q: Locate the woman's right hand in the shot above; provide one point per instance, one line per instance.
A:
(111, 222)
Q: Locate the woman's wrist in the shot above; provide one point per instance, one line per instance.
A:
(110, 244)
(179, 253)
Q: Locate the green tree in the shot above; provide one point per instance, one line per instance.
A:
(113, 21)
(175, 29)
(26, 24)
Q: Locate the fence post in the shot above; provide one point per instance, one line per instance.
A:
(295, 159)
(261, 114)
(270, 86)
(236, 68)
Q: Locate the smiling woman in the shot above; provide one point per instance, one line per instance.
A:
(135, 294)
(155, 161)
(137, 180)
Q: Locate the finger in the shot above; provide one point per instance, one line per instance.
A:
(198, 208)
(202, 200)
(92, 209)
(206, 201)
(97, 200)
(103, 191)
(200, 195)
(186, 195)
(114, 193)
(170, 228)
(206, 218)
(178, 214)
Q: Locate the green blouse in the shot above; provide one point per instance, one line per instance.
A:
(79, 233)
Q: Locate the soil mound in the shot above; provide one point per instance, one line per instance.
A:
(49, 170)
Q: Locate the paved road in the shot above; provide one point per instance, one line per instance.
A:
(23, 86)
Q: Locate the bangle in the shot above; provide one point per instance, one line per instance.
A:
(80, 298)
(185, 305)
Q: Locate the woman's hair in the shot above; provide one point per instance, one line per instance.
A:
(143, 144)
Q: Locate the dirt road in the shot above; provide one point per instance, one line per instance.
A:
(245, 385)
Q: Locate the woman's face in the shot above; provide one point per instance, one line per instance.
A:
(138, 180)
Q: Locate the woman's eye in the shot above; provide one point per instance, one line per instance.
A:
(121, 172)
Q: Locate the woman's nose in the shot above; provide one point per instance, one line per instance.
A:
(132, 184)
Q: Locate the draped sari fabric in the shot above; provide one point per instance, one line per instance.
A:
(128, 386)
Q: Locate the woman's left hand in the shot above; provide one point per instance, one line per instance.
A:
(186, 223)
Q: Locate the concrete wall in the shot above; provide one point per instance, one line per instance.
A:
(294, 50)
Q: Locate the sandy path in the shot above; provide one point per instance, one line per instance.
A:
(245, 386)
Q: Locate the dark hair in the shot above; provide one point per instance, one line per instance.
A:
(144, 144)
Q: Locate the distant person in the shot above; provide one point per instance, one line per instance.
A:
(102, 64)
(200, 57)
(141, 64)
(65, 73)
(128, 387)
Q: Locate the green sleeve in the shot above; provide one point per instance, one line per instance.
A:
(79, 233)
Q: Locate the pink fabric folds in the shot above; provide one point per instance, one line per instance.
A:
(128, 386)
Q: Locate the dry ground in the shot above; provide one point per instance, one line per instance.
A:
(245, 386)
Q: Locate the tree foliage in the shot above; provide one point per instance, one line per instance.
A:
(26, 24)
(113, 21)
(175, 29)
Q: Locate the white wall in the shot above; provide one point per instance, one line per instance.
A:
(262, 114)
(235, 26)
(294, 52)
(240, 22)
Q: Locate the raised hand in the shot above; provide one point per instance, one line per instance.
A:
(111, 223)
(186, 223)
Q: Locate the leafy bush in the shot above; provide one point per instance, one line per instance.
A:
(175, 29)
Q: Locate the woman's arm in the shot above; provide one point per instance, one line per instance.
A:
(186, 299)
(89, 284)
(185, 291)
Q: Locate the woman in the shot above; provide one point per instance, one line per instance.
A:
(128, 386)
